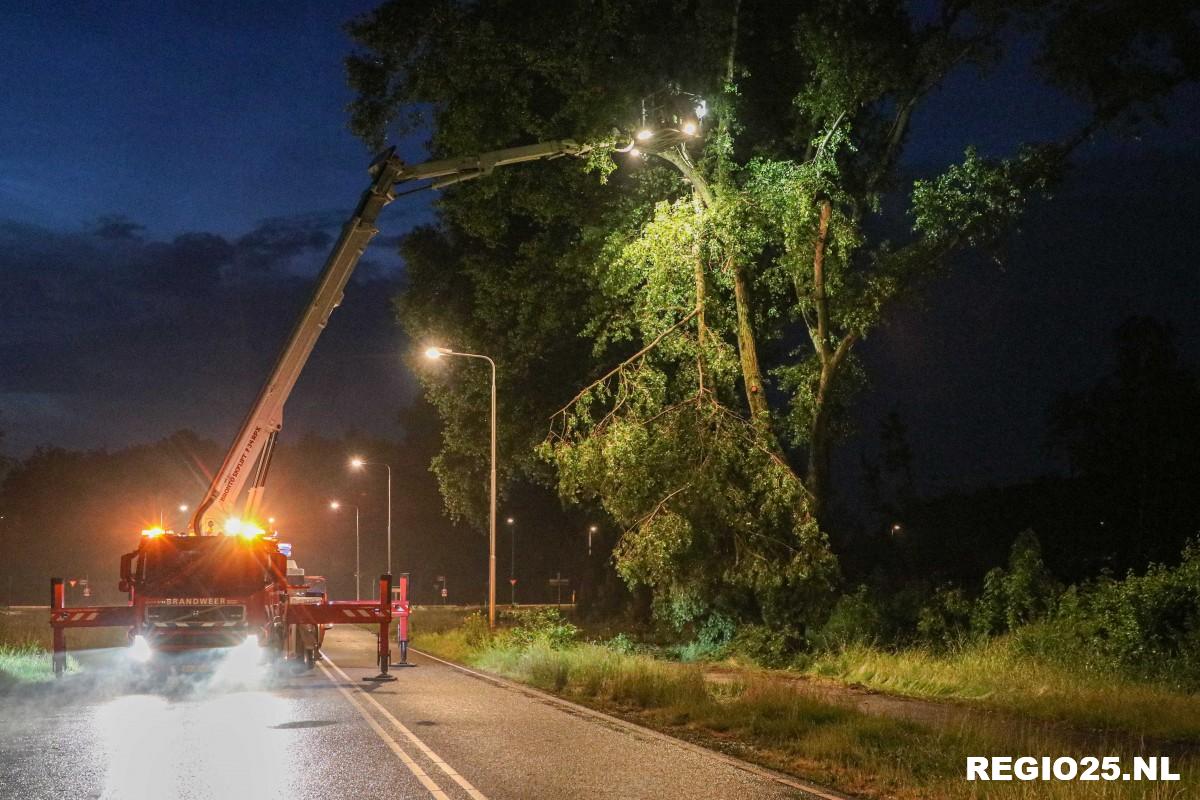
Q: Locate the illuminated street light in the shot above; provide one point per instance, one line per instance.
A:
(357, 462)
(183, 507)
(591, 530)
(512, 561)
(436, 353)
(689, 128)
(645, 135)
(335, 505)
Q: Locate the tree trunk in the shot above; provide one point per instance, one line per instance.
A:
(756, 400)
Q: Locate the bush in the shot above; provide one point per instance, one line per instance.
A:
(855, 619)
(545, 626)
(476, 632)
(1146, 626)
(765, 646)
(621, 643)
(1026, 592)
(946, 619)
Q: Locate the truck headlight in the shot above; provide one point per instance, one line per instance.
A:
(140, 649)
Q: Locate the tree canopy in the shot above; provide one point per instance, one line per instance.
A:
(681, 310)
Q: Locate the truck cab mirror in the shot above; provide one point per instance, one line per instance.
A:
(126, 583)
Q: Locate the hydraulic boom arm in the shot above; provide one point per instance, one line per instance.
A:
(252, 447)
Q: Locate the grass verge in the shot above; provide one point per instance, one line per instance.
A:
(996, 675)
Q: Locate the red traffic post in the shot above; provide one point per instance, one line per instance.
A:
(401, 611)
(383, 652)
(57, 603)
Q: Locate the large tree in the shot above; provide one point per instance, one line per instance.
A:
(688, 312)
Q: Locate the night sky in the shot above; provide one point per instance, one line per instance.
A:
(171, 177)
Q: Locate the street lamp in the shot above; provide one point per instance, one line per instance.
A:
(512, 561)
(361, 463)
(436, 353)
(335, 505)
(591, 530)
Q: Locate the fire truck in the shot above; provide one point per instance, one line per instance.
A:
(224, 584)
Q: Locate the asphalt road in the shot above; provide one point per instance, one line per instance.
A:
(438, 731)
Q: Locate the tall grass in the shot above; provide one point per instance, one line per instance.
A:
(25, 642)
(996, 674)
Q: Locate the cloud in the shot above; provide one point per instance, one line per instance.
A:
(110, 336)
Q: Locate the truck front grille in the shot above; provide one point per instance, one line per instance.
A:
(171, 616)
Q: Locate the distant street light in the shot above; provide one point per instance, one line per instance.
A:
(512, 561)
(591, 530)
(361, 463)
(183, 507)
(436, 353)
(335, 505)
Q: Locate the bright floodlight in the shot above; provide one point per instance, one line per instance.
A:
(644, 134)
(183, 507)
(357, 463)
(335, 505)
(689, 128)
(510, 520)
(140, 649)
(435, 352)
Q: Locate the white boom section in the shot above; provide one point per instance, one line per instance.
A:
(252, 447)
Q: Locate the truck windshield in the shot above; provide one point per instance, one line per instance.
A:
(202, 566)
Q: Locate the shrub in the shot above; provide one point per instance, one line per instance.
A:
(621, 643)
(545, 626)
(946, 618)
(1147, 626)
(856, 619)
(766, 646)
(1024, 593)
(475, 629)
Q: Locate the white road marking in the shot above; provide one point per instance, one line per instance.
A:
(404, 757)
(441, 764)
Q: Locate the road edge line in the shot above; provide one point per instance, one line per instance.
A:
(437, 760)
(429, 783)
(779, 777)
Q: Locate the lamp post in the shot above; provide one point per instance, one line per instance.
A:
(512, 561)
(335, 505)
(438, 352)
(360, 463)
(591, 531)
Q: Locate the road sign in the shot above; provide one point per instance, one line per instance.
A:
(444, 592)
(87, 591)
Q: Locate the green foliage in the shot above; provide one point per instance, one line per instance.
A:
(475, 630)
(542, 626)
(946, 619)
(767, 646)
(1145, 625)
(1023, 593)
(855, 619)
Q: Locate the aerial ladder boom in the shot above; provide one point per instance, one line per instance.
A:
(254, 444)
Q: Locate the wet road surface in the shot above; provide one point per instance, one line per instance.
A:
(437, 731)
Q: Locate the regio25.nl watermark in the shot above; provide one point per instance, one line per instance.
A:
(1066, 768)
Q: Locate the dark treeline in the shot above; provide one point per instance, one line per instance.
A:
(1124, 499)
(71, 513)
